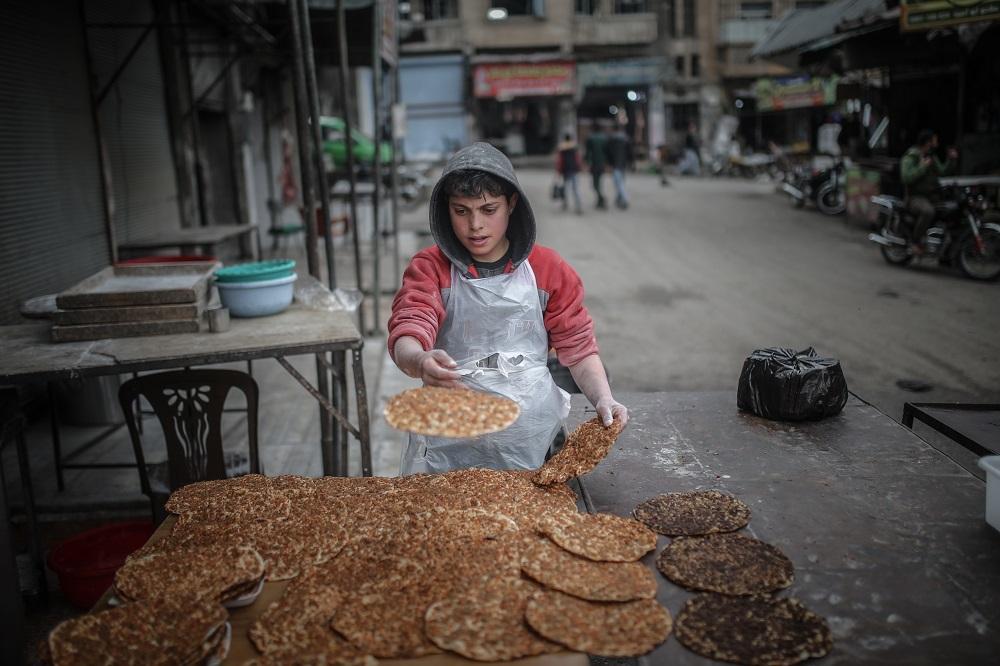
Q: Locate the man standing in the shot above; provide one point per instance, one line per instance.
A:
(594, 156)
(619, 154)
(919, 170)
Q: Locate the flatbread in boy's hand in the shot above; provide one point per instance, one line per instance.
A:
(584, 449)
(445, 412)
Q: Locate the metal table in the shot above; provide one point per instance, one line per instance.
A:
(886, 534)
(192, 239)
(974, 426)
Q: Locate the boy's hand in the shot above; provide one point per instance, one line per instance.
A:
(609, 409)
(435, 368)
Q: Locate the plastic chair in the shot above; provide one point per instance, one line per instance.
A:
(189, 406)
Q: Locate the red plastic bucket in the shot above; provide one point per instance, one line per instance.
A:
(86, 563)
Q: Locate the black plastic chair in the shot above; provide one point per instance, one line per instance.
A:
(189, 406)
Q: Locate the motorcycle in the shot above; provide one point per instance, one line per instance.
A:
(965, 230)
(413, 185)
(826, 188)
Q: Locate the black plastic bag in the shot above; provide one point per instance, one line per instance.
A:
(780, 383)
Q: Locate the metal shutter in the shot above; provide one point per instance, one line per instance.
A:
(133, 120)
(52, 231)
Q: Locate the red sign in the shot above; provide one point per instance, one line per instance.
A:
(529, 79)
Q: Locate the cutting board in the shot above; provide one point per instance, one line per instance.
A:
(148, 284)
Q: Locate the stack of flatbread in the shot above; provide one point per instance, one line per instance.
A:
(735, 618)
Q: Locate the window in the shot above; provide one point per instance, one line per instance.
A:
(679, 65)
(689, 18)
(629, 6)
(809, 4)
(587, 7)
(695, 65)
(755, 10)
(669, 18)
(520, 7)
(440, 9)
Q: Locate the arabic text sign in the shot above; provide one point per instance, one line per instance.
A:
(925, 15)
(507, 80)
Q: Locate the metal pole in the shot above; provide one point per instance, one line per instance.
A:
(199, 172)
(377, 161)
(352, 178)
(394, 182)
(309, 198)
(313, 93)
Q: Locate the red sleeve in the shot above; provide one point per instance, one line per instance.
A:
(417, 309)
(570, 328)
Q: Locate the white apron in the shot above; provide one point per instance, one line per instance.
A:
(495, 331)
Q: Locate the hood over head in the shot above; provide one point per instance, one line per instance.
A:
(521, 227)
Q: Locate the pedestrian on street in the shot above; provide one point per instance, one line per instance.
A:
(919, 170)
(568, 166)
(662, 159)
(690, 164)
(481, 308)
(618, 151)
(594, 155)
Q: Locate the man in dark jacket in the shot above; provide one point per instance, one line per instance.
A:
(919, 170)
(594, 157)
(619, 153)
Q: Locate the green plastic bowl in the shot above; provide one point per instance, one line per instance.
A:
(257, 271)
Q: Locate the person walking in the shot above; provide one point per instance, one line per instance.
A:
(619, 155)
(594, 155)
(568, 165)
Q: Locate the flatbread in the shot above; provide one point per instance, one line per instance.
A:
(299, 617)
(216, 572)
(752, 630)
(443, 412)
(601, 537)
(487, 623)
(558, 569)
(693, 514)
(584, 449)
(605, 629)
(725, 563)
(389, 623)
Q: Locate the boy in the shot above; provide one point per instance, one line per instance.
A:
(481, 309)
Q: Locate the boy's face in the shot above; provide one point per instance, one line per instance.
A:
(480, 223)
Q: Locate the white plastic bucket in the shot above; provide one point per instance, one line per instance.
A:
(991, 465)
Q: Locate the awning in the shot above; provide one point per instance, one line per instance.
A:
(800, 28)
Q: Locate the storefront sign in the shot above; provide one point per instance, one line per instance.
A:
(529, 79)
(797, 92)
(924, 15)
(629, 72)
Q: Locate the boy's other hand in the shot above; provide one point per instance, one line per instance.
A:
(437, 369)
(609, 409)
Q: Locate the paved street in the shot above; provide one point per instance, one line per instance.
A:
(693, 277)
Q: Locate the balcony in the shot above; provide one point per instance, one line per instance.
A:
(617, 29)
(744, 31)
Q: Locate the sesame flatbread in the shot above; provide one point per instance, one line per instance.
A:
(301, 615)
(443, 412)
(584, 449)
(487, 623)
(604, 629)
(558, 569)
(752, 630)
(601, 537)
(725, 563)
(389, 623)
(694, 513)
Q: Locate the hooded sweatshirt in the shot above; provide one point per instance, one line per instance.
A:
(420, 306)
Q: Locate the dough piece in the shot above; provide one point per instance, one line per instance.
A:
(725, 563)
(487, 623)
(694, 513)
(443, 412)
(605, 629)
(752, 630)
(558, 569)
(601, 537)
(584, 449)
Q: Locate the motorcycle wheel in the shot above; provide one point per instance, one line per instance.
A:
(978, 265)
(896, 255)
(831, 200)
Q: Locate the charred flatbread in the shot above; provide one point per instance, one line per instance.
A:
(693, 514)
(443, 412)
(752, 630)
(601, 537)
(725, 563)
(605, 629)
(487, 623)
(558, 569)
(584, 449)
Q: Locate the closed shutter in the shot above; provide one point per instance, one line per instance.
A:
(52, 230)
(133, 119)
(433, 90)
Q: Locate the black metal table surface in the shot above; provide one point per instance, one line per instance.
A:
(887, 535)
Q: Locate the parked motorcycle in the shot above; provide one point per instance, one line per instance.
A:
(413, 185)
(965, 230)
(826, 188)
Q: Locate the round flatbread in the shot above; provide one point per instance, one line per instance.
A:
(216, 572)
(725, 563)
(752, 630)
(693, 514)
(626, 629)
(389, 623)
(558, 569)
(601, 537)
(584, 449)
(443, 412)
(487, 623)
